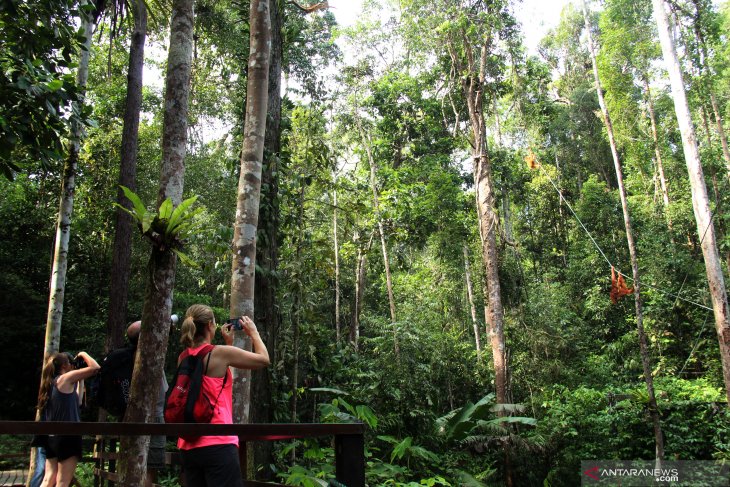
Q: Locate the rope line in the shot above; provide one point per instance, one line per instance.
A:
(598, 247)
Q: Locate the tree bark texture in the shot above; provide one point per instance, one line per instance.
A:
(157, 307)
(472, 306)
(266, 305)
(249, 190)
(643, 344)
(123, 225)
(700, 201)
(57, 283)
(473, 89)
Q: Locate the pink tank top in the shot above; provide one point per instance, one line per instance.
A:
(222, 414)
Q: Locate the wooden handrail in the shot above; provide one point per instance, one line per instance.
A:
(270, 432)
(349, 437)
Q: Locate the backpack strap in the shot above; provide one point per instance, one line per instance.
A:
(225, 376)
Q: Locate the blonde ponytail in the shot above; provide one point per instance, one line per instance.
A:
(194, 325)
(187, 332)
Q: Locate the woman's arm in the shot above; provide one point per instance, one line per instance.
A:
(73, 376)
(242, 359)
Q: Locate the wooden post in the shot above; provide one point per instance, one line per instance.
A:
(243, 457)
(350, 460)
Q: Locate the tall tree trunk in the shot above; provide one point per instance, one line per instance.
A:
(57, 284)
(700, 202)
(120, 271)
(643, 344)
(721, 132)
(360, 275)
(249, 190)
(657, 151)
(472, 307)
(337, 264)
(66, 204)
(376, 206)
(472, 87)
(157, 307)
(267, 251)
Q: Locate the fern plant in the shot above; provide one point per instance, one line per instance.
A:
(166, 228)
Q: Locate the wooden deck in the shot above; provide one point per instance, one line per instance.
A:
(13, 478)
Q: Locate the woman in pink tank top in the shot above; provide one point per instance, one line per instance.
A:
(212, 461)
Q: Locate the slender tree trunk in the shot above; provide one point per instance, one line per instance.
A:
(337, 264)
(472, 307)
(700, 202)
(66, 205)
(57, 283)
(153, 339)
(657, 152)
(472, 87)
(376, 205)
(721, 132)
(249, 190)
(360, 276)
(120, 271)
(643, 344)
(266, 304)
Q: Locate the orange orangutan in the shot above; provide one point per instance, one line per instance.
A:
(618, 286)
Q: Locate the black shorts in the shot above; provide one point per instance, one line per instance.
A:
(63, 447)
(212, 466)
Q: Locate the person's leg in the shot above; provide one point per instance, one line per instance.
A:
(193, 468)
(66, 469)
(49, 479)
(40, 467)
(155, 457)
(223, 468)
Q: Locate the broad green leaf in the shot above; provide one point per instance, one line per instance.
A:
(401, 448)
(179, 214)
(147, 220)
(185, 259)
(139, 207)
(165, 210)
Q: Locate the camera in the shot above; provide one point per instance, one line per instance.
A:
(236, 324)
(79, 363)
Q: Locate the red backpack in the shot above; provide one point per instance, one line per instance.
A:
(184, 402)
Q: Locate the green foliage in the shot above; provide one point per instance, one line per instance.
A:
(612, 423)
(168, 227)
(38, 49)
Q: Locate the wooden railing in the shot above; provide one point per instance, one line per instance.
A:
(349, 438)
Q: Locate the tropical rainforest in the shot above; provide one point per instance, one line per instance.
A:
(503, 260)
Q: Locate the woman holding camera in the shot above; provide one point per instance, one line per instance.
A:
(58, 400)
(212, 461)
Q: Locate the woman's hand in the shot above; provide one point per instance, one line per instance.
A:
(90, 362)
(248, 326)
(227, 333)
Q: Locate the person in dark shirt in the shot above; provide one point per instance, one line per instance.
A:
(58, 400)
